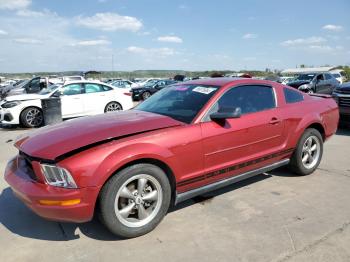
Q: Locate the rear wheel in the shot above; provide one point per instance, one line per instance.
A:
(135, 200)
(308, 154)
(113, 106)
(32, 117)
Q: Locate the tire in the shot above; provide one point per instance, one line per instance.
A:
(32, 117)
(146, 95)
(307, 157)
(310, 91)
(113, 106)
(127, 213)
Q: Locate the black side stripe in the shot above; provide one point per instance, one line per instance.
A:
(235, 167)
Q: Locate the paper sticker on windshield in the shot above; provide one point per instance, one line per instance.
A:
(203, 90)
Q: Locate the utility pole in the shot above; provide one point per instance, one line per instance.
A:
(112, 63)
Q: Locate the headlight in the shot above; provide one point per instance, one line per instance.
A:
(58, 176)
(11, 104)
(303, 87)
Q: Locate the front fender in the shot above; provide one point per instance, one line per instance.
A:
(93, 167)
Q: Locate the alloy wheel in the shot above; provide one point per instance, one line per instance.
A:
(114, 106)
(34, 117)
(311, 152)
(138, 200)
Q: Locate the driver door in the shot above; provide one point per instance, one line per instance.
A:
(321, 84)
(231, 147)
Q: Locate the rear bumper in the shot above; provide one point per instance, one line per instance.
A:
(31, 192)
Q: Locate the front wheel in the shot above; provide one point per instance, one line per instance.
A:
(135, 200)
(308, 154)
(32, 117)
(146, 95)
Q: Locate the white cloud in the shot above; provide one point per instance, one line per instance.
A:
(30, 41)
(3, 32)
(14, 4)
(304, 41)
(249, 58)
(110, 22)
(34, 14)
(335, 28)
(249, 36)
(152, 52)
(92, 42)
(183, 6)
(170, 39)
(321, 48)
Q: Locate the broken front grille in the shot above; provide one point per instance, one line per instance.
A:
(25, 164)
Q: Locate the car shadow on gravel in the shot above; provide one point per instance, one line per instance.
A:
(20, 220)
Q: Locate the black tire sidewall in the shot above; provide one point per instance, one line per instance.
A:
(109, 192)
(296, 160)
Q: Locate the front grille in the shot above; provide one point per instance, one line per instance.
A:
(25, 164)
(344, 101)
(343, 91)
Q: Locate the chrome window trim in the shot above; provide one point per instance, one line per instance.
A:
(205, 117)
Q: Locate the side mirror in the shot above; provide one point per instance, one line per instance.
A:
(226, 113)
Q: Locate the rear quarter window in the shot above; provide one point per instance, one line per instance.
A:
(292, 96)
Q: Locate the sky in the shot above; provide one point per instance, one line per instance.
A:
(196, 35)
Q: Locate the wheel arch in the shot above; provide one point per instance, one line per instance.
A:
(156, 162)
(26, 107)
(320, 128)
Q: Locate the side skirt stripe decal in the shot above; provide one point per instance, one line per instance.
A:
(232, 168)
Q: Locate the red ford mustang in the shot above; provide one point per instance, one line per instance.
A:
(186, 140)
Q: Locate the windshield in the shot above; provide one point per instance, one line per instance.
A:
(307, 77)
(49, 89)
(181, 102)
(22, 84)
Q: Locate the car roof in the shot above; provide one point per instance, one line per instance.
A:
(221, 81)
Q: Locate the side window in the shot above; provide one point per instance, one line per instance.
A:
(320, 77)
(73, 89)
(328, 76)
(250, 98)
(292, 96)
(106, 88)
(93, 88)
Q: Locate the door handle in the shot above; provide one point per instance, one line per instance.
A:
(76, 98)
(274, 121)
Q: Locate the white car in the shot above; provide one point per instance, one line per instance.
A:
(339, 75)
(79, 98)
(121, 83)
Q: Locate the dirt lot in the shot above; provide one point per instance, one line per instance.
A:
(272, 217)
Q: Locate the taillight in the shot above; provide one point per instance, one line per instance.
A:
(127, 94)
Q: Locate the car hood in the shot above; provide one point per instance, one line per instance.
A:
(298, 83)
(25, 97)
(54, 141)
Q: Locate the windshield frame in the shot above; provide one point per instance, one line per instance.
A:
(301, 75)
(49, 87)
(200, 110)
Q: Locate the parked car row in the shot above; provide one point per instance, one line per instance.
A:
(78, 98)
